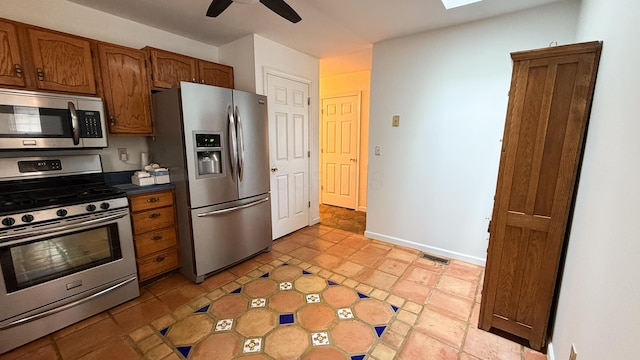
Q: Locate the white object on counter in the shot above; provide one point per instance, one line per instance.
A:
(144, 160)
(142, 178)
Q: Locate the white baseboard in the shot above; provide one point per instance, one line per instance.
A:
(550, 355)
(314, 221)
(426, 248)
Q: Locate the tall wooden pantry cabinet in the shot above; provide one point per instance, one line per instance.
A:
(548, 109)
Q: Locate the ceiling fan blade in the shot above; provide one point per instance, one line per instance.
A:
(217, 7)
(283, 9)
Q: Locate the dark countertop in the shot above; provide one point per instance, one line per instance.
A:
(122, 180)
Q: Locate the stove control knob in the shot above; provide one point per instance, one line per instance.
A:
(8, 221)
(61, 213)
(104, 206)
(27, 218)
(91, 207)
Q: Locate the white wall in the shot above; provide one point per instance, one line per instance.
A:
(241, 55)
(74, 19)
(599, 304)
(271, 55)
(433, 186)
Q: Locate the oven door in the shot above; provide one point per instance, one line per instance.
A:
(65, 263)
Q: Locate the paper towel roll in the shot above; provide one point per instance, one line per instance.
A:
(144, 160)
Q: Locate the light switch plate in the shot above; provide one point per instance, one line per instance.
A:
(396, 121)
(378, 150)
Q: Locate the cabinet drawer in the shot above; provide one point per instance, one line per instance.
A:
(154, 241)
(153, 219)
(151, 201)
(157, 264)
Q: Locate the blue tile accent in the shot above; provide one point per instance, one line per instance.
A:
(237, 291)
(203, 309)
(265, 275)
(184, 350)
(331, 283)
(362, 296)
(164, 331)
(286, 319)
(305, 272)
(357, 357)
(380, 330)
(395, 308)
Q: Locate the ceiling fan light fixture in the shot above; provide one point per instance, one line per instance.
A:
(450, 4)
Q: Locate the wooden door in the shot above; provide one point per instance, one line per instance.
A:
(289, 153)
(211, 73)
(168, 69)
(340, 130)
(126, 89)
(62, 62)
(550, 98)
(11, 68)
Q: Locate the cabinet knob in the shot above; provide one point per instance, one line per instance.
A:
(201, 81)
(193, 80)
(40, 74)
(154, 216)
(153, 199)
(159, 259)
(18, 70)
(157, 238)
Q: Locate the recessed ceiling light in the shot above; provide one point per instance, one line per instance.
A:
(450, 4)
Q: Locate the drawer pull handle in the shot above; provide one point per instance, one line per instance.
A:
(159, 259)
(18, 70)
(157, 238)
(155, 215)
(40, 73)
(153, 199)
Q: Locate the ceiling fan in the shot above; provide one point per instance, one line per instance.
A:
(278, 6)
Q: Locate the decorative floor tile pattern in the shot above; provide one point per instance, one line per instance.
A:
(379, 302)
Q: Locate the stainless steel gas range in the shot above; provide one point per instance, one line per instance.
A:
(66, 248)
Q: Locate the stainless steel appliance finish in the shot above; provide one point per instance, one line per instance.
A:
(66, 247)
(215, 142)
(34, 120)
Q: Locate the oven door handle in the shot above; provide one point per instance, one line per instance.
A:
(224, 211)
(45, 313)
(9, 240)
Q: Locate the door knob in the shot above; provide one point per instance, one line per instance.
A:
(353, 160)
(274, 169)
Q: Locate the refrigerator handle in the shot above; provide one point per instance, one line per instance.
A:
(232, 143)
(240, 145)
(224, 211)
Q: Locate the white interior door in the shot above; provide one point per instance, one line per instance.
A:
(340, 137)
(288, 106)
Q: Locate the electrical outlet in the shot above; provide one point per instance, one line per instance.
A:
(573, 355)
(122, 153)
(378, 150)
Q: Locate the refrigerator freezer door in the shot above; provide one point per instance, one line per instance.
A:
(205, 109)
(253, 143)
(226, 234)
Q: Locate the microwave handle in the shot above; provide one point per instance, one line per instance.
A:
(75, 124)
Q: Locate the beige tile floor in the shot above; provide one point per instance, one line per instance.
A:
(321, 293)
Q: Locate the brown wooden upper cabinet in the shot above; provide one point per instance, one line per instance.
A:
(11, 66)
(547, 114)
(168, 69)
(125, 87)
(62, 62)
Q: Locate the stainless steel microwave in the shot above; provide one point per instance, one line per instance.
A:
(35, 120)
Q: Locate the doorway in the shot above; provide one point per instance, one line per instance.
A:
(340, 150)
(288, 104)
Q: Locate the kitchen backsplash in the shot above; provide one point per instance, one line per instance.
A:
(111, 162)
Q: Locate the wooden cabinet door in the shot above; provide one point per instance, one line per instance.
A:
(62, 62)
(211, 73)
(168, 68)
(11, 67)
(547, 114)
(126, 89)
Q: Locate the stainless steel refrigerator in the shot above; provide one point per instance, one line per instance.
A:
(215, 143)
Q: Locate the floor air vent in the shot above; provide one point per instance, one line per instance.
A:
(435, 258)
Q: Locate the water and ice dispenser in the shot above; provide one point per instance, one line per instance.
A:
(209, 153)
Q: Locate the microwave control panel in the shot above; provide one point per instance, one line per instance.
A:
(90, 126)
